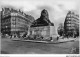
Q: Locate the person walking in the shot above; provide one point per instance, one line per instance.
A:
(57, 38)
(11, 36)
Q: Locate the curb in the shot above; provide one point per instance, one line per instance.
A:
(48, 42)
(34, 41)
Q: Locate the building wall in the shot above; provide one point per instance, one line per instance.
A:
(5, 24)
(19, 23)
(52, 31)
(71, 22)
(16, 20)
(45, 31)
(0, 23)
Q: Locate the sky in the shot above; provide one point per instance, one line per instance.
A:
(57, 9)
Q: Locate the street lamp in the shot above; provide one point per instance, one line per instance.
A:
(6, 29)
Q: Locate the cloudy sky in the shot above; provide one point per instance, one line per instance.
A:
(57, 9)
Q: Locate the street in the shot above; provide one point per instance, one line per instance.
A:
(17, 47)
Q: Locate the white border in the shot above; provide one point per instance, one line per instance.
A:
(39, 55)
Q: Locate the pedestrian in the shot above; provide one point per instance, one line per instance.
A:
(11, 37)
(50, 38)
(57, 38)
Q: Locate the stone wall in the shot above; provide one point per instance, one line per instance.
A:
(45, 31)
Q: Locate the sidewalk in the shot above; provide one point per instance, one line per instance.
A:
(50, 42)
(66, 40)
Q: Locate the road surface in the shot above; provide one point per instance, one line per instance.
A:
(17, 47)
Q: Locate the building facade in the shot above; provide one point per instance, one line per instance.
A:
(14, 21)
(43, 26)
(0, 22)
(71, 24)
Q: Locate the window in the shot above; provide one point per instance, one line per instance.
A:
(69, 18)
(19, 19)
(68, 24)
(72, 25)
(13, 23)
(13, 18)
(7, 20)
(2, 21)
(68, 15)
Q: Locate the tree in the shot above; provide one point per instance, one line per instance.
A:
(61, 29)
(77, 30)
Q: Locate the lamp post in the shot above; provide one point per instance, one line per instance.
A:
(6, 30)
